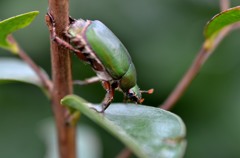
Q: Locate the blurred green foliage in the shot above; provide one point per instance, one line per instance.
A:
(162, 37)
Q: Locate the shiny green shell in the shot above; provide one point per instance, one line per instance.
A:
(109, 49)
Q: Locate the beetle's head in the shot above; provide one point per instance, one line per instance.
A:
(135, 94)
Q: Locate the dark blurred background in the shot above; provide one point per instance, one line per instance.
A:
(163, 37)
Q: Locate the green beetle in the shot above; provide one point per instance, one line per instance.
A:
(95, 44)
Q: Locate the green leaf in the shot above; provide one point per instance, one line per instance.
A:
(12, 24)
(12, 69)
(149, 132)
(222, 20)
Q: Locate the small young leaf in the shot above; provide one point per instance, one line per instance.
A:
(147, 131)
(12, 69)
(222, 20)
(13, 24)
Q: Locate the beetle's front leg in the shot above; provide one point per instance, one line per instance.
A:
(109, 95)
(87, 81)
(52, 27)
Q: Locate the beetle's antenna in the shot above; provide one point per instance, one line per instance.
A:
(150, 91)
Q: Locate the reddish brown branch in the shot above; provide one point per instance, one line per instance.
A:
(202, 56)
(186, 80)
(224, 4)
(62, 80)
(47, 84)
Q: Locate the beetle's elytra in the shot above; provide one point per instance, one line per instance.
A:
(95, 44)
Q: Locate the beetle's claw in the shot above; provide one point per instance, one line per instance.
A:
(50, 16)
(101, 111)
(50, 21)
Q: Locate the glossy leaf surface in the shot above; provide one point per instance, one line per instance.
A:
(147, 131)
(12, 69)
(222, 20)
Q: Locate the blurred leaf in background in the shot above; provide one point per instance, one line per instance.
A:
(163, 38)
(87, 140)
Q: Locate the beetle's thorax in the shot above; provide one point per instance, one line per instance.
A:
(76, 27)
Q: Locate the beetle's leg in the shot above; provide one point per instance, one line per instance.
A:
(52, 27)
(87, 81)
(54, 36)
(109, 95)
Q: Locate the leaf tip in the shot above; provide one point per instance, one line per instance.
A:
(11, 25)
(34, 13)
(220, 21)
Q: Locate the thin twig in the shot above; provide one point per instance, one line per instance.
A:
(224, 4)
(191, 73)
(202, 56)
(186, 80)
(47, 83)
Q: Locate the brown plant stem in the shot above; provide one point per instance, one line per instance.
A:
(62, 80)
(202, 56)
(224, 4)
(47, 83)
